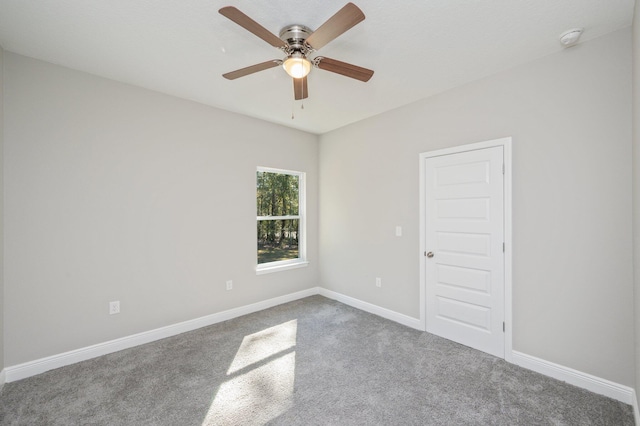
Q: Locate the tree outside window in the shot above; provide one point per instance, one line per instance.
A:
(280, 217)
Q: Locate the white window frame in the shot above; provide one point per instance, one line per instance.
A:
(301, 261)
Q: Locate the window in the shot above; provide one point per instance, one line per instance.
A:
(280, 206)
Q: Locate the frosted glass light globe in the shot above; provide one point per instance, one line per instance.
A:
(297, 66)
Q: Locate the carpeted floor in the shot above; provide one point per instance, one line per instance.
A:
(310, 362)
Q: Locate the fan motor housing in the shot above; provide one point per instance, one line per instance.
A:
(295, 35)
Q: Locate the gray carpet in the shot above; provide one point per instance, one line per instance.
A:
(310, 362)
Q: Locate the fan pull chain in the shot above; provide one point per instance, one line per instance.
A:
(293, 102)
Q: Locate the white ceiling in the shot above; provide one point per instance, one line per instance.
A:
(416, 47)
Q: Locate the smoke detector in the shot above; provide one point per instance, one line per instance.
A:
(570, 37)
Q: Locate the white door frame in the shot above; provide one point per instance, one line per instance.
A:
(508, 317)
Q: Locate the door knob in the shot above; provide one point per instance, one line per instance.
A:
(430, 254)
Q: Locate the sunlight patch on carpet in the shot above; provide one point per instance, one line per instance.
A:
(261, 379)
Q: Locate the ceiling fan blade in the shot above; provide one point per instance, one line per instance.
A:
(344, 19)
(252, 26)
(300, 90)
(343, 68)
(251, 69)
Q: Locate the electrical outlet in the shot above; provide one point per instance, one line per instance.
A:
(114, 307)
(398, 231)
(378, 282)
(229, 285)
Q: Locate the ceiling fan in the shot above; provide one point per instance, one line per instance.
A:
(298, 44)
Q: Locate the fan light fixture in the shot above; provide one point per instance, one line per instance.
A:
(296, 65)
(295, 42)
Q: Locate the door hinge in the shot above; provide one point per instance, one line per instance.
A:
(503, 327)
(503, 247)
(502, 168)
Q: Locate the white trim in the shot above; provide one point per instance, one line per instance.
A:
(292, 217)
(595, 384)
(508, 250)
(279, 171)
(301, 261)
(280, 266)
(373, 309)
(422, 231)
(636, 413)
(31, 368)
(508, 236)
(3, 377)
(604, 387)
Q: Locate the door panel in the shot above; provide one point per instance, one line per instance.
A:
(465, 278)
(469, 208)
(464, 243)
(465, 314)
(459, 174)
(465, 231)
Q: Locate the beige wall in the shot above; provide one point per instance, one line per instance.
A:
(570, 118)
(118, 193)
(636, 185)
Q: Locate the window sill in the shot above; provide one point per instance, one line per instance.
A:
(277, 268)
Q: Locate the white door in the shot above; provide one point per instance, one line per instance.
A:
(464, 241)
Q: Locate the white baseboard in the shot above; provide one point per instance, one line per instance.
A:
(586, 381)
(373, 309)
(38, 366)
(577, 378)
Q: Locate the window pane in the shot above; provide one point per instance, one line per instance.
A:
(277, 240)
(277, 194)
